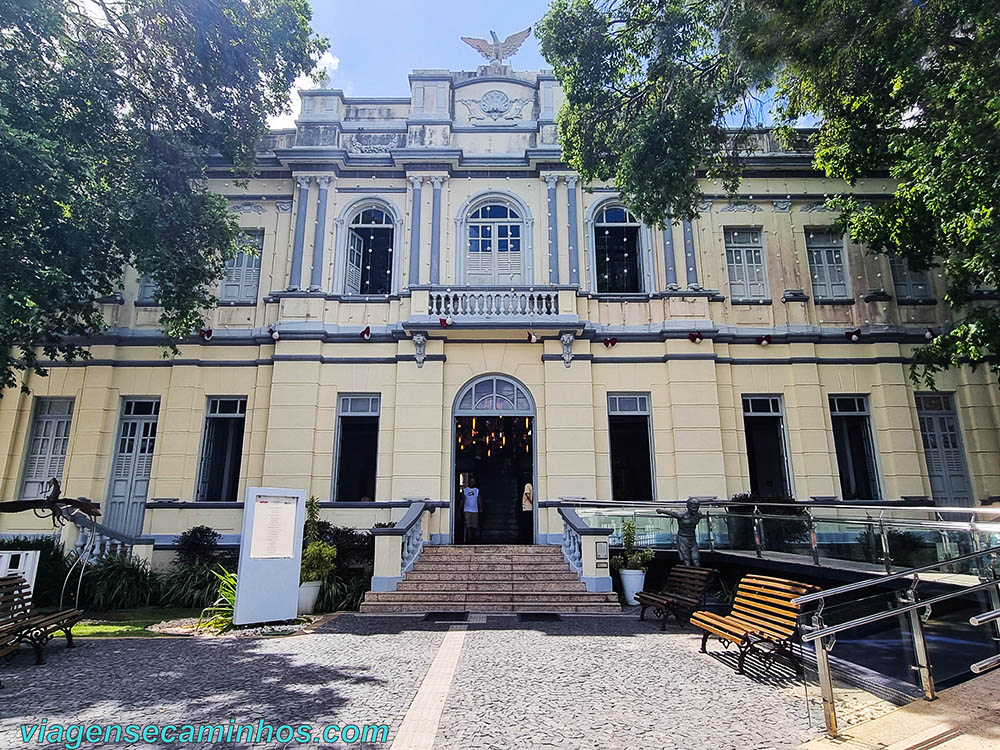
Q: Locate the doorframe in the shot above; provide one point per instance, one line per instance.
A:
(117, 440)
(453, 455)
(952, 411)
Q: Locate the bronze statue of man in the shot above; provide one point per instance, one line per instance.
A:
(687, 528)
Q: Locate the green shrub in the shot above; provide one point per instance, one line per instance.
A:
(343, 594)
(318, 561)
(119, 582)
(355, 549)
(219, 615)
(190, 585)
(199, 544)
(53, 565)
(310, 531)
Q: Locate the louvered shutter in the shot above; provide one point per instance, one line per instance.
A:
(47, 445)
(355, 257)
(251, 278)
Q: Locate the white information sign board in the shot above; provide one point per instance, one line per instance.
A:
(273, 532)
(267, 583)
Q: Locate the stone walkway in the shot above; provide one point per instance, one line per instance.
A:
(580, 682)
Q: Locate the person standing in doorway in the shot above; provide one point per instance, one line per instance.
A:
(470, 511)
(527, 506)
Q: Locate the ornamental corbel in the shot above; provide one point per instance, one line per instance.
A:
(420, 345)
(566, 340)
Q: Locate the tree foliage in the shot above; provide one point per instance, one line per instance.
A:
(660, 89)
(110, 113)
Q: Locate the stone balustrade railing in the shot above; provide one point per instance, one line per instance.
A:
(586, 549)
(398, 547)
(92, 540)
(493, 303)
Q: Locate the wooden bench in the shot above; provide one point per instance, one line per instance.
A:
(683, 594)
(19, 624)
(762, 621)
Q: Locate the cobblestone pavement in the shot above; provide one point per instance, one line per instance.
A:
(582, 682)
(353, 670)
(611, 682)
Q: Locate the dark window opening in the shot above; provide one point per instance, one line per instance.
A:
(617, 259)
(357, 460)
(223, 450)
(631, 464)
(855, 457)
(766, 456)
(369, 253)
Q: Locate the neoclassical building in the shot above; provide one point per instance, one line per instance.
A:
(438, 296)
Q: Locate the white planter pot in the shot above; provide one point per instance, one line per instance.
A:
(308, 593)
(632, 581)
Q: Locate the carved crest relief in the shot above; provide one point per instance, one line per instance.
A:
(372, 143)
(494, 105)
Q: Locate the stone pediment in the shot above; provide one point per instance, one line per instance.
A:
(495, 103)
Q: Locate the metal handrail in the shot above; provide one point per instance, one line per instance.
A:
(722, 502)
(824, 635)
(813, 635)
(806, 598)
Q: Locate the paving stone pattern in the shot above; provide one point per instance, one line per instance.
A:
(353, 670)
(609, 682)
(583, 682)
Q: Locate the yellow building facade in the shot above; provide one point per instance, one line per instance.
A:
(430, 261)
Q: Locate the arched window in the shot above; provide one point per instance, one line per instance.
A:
(616, 251)
(370, 237)
(495, 232)
(494, 395)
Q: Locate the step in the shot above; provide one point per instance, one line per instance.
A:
(491, 573)
(528, 561)
(405, 607)
(492, 586)
(545, 597)
(466, 550)
(460, 567)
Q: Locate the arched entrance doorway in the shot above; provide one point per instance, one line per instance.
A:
(494, 443)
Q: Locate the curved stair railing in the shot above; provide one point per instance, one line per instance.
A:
(398, 547)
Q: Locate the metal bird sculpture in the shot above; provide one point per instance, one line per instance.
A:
(497, 51)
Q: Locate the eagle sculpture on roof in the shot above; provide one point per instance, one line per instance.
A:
(497, 51)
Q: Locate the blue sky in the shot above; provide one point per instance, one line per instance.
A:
(378, 42)
(374, 44)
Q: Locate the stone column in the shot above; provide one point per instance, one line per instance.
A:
(316, 280)
(669, 259)
(574, 244)
(436, 230)
(295, 276)
(417, 183)
(689, 260)
(551, 181)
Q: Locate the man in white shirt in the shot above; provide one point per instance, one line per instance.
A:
(470, 510)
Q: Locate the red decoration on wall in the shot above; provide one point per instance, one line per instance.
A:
(206, 334)
(445, 322)
(764, 340)
(367, 333)
(609, 342)
(696, 337)
(854, 335)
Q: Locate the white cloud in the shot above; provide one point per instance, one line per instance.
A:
(328, 63)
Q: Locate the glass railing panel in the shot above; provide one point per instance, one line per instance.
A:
(847, 541)
(786, 533)
(654, 530)
(869, 665)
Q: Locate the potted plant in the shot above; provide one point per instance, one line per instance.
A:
(632, 563)
(318, 560)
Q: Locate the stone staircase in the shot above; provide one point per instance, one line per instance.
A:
(491, 578)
